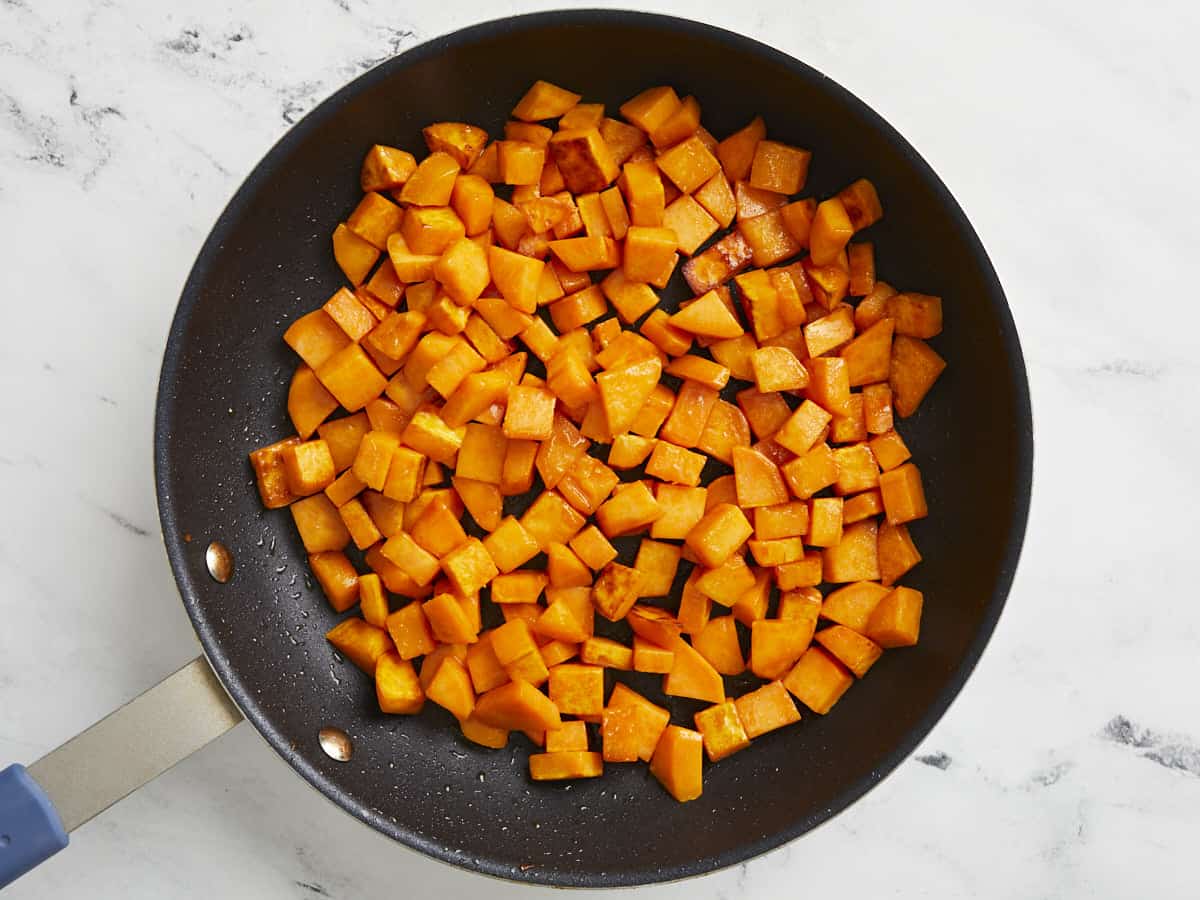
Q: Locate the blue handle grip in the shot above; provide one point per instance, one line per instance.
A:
(30, 830)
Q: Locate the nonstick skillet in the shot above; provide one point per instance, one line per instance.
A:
(222, 392)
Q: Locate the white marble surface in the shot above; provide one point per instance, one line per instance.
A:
(1070, 767)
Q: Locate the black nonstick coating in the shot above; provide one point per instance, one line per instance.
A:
(222, 393)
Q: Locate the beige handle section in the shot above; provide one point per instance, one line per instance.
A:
(136, 743)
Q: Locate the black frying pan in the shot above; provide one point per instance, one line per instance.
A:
(222, 393)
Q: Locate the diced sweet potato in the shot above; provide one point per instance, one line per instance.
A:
(915, 366)
(850, 648)
(677, 763)
(818, 680)
(361, 643)
(721, 730)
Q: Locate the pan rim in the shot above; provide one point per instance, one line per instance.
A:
(186, 577)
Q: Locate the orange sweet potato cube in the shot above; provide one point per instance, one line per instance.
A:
(825, 522)
(386, 168)
(896, 620)
(657, 562)
(397, 687)
(530, 413)
(571, 736)
(551, 520)
(450, 687)
(869, 356)
(428, 434)
(565, 569)
(521, 162)
(577, 689)
(354, 255)
(689, 164)
(857, 469)
(644, 195)
(414, 560)
(308, 467)
(518, 706)
(811, 472)
(678, 761)
(320, 526)
(375, 218)
(373, 601)
(469, 567)
(758, 480)
(586, 254)
(829, 332)
(433, 181)
(565, 764)
(818, 680)
(861, 257)
(903, 494)
(802, 603)
(270, 474)
(737, 151)
(803, 428)
(721, 730)
(362, 528)
(337, 577)
(647, 251)
(779, 167)
(630, 450)
(853, 604)
(351, 377)
(631, 726)
(359, 642)
(631, 509)
(588, 484)
(544, 100)
(315, 337)
(373, 460)
(915, 366)
(616, 589)
(607, 653)
(463, 271)
(461, 141)
(768, 238)
(897, 552)
(877, 409)
(781, 520)
(861, 203)
(713, 267)
(831, 231)
(766, 709)
(862, 506)
(682, 507)
(777, 369)
(517, 475)
(651, 108)
(584, 159)
(410, 631)
(437, 530)
(776, 644)
(591, 546)
(718, 535)
(707, 316)
(650, 657)
(691, 222)
(856, 556)
(448, 621)
(850, 648)
(717, 641)
(472, 199)
(728, 582)
(430, 230)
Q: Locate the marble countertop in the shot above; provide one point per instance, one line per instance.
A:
(1070, 766)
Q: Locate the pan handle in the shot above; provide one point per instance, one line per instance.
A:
(41, 805)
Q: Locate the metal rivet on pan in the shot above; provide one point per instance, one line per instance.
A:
(219, 561)
(336, 743)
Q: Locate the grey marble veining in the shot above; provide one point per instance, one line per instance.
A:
(1070, 765)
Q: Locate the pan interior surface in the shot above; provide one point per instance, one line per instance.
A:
(223, 392)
